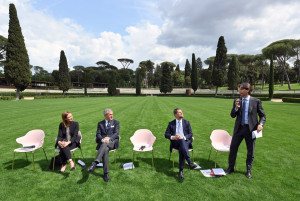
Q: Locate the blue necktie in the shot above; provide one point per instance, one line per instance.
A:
(244, 111)
(180, 130)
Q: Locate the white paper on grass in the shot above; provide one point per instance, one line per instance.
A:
(256, 134)
(128, 166)
(80, 162)
(218, 171)
(206, 173)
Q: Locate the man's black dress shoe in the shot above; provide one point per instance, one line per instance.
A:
(229, 171)
(106, 178)
(92, 167)
(248, 174)
(180, 175)
(192, 165)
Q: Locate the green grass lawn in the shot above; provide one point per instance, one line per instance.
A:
(275, 169)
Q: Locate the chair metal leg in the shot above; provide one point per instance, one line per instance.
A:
(26, 156)
(81, 153)
(209, 153)
(173, 159)
(216, 159)
(152, 159)
(132, 159)
(193, 155)
(115, 159)
(74, 156)
(53, 160)
(33, 159)
(45, 153)
(12, 165)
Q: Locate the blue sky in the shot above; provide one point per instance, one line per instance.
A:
(100, 15)
(160, 30)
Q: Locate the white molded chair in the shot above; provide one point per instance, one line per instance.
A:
(32, 141)
(142, 141)
(220, 141)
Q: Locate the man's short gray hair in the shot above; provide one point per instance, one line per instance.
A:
(107, 110)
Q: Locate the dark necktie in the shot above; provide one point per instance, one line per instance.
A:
(108, 126)
(243, 111)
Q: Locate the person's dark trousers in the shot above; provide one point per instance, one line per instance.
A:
(65, 153)
(237, 138)
(103, 153)
(183, 147)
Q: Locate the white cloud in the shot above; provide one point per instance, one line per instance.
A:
(247, 26)
(188, 27)
(45, 37)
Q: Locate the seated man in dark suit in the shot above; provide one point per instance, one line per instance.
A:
(179, 131)
(107, 137)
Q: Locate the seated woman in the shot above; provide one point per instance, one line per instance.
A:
(67, 139)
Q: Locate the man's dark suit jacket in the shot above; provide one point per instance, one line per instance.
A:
(187, 130)
(62, 133)
(255, 108)
(112, 133)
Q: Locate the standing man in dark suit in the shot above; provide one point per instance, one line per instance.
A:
(179, 131)
(107, 138)
(245, 109)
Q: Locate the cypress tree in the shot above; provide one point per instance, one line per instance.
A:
(166, 79)
(63, 73)
(194, 75)
(17, 68)
(112, 84)
(233, 75)
(187, 72)
(138, 82)
(218, 72)
(271, 79)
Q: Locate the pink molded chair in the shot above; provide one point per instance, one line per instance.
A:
(72, 150)
(142, 141)
(32, 141)
(220, 141)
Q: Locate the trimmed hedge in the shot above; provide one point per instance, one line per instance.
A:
(7, 97)
(291, 100)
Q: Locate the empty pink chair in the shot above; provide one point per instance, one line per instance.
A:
(220, 141)
(32, 141)
(142, 141)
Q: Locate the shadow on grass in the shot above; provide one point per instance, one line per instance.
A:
(18, 164)
(85, 174)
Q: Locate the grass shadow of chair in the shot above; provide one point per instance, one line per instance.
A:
(160, 166)
(18, 164)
